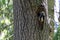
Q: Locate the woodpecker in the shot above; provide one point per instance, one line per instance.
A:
(41, 18)
(41, 15)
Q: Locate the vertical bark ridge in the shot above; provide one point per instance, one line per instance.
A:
(25, 21)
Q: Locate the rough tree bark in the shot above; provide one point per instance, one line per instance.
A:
(25, 21)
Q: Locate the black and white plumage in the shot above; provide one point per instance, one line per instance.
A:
(41, 18)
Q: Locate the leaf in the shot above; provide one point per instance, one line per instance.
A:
(3, 1)
(8, 1)
(7, 21)
(0, 4)
(2, 21)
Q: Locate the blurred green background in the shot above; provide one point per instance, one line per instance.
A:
(6, 20)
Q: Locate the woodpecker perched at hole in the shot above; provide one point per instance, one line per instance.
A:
(41, 15)
(41, 18)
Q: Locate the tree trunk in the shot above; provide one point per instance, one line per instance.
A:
(25, 21)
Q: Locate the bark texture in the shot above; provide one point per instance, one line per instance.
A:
(25, 21)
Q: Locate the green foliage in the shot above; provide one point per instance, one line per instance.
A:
(6, 19)
(57, 34)
(51, 12)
